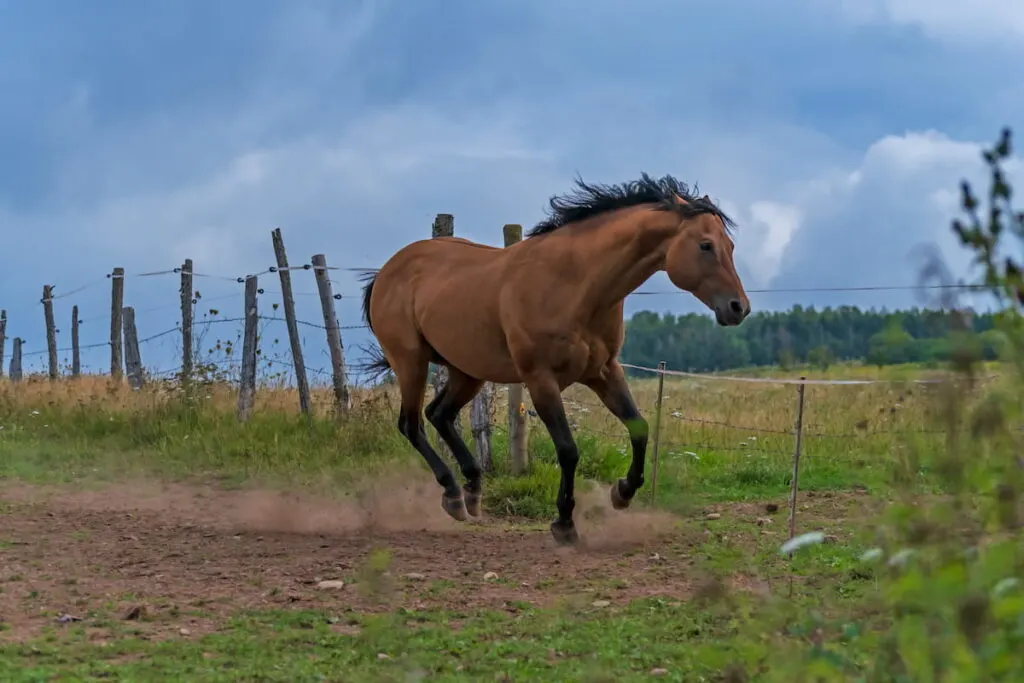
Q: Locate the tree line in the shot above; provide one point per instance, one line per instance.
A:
(694, 342)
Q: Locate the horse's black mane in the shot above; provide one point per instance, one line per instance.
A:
(589, 200)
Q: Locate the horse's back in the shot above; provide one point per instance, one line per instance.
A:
(445, 291)
(441, 252)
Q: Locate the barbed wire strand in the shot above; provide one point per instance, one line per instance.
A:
(310, 266)
(789, 380)
(632, 366)
(675, 373)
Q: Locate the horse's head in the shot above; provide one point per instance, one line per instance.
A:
(699, 260)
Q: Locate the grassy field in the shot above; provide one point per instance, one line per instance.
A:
(719, 439)
(150, 536)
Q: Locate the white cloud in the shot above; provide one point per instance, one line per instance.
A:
(866, 227)
(958, 21)
(780, 223)
(903, 192)
(907, 156)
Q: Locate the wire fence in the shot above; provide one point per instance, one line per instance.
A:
(194, 281)
(754, 427)
(296, 333)
(725, 434)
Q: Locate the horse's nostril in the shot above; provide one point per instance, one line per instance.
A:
(736, 306)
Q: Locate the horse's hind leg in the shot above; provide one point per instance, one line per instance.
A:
(441, 412)
(613, 390)
(411, 372)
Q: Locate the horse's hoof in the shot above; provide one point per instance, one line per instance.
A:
(619, 501)
(474, 502)
(564, 533)
(455, 507)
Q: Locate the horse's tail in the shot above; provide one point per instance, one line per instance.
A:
(378, 364)
(370, 277)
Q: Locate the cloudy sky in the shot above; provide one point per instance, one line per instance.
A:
(138, 133)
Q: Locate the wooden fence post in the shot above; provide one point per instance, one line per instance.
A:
(799, 430)
(187, 293)
(116, 303)
(517, 434)
(444, 226)
(342, 400)
(76, 356)
(51, 331)
(247, 384)
(480, 426)
(288, 301)
(132, 356)
(15, 373)
(656, 441)
(3, 338)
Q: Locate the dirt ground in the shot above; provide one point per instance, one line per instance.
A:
(179, 559)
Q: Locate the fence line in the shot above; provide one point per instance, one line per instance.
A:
(240, 279)
(125, 346)
(803, 441)
(785, 380)
(124, 350)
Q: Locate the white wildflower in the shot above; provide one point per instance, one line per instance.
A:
(871, 555)
(797, 542)
(901, 557)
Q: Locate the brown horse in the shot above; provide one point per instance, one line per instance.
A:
(546, 312)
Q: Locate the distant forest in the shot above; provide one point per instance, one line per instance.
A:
(694, 342)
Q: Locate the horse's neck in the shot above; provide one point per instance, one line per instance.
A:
(626, 255)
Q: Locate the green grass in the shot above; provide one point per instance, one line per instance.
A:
(835, 623)
(597, 644)
(87, 435)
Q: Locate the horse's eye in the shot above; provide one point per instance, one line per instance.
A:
(707, 246)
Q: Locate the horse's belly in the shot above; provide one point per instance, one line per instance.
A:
(470, 338)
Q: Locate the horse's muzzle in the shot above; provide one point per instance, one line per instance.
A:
(731, 312)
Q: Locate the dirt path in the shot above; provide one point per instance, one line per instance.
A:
(171, 557)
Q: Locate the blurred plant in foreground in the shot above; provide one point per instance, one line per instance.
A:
(952, 564)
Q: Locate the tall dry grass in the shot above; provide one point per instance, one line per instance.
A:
(719, 438)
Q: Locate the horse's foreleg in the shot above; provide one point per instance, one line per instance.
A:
(613, 390)
(441, 412)
(547, 401)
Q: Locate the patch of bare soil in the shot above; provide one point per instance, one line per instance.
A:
(175, 559)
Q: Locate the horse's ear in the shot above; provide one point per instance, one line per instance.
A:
(679, 200)
(705, 198)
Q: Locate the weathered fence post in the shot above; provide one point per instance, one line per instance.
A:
(247, 385)
(656, 441)
(116, 303)
(51, 331)
(480, 426)
(444, 226)
(187, 293)
(288, 301)
(342, 400)
(15, 373)
(132, 356)
(517, 435)
(76, 356)
(3, 338)
(798, 429)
